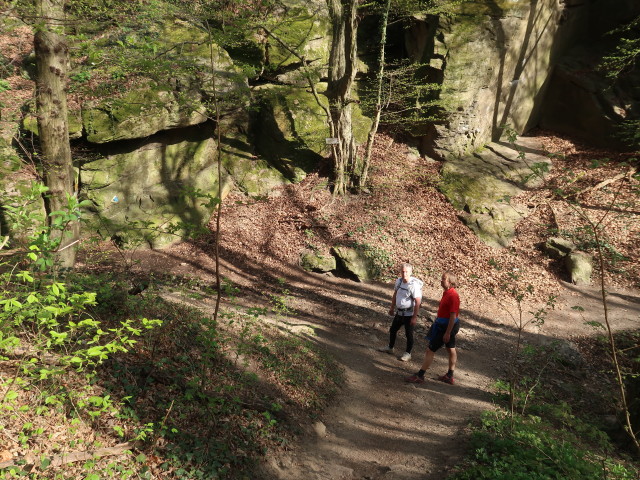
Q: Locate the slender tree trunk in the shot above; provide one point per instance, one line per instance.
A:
(52, 57)
(626, 411)
(342, 72)
(379, 77)
(218, 134)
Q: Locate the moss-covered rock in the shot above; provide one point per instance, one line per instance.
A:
(9, 160)
(496, 226)
(579, 265)
(140, 113)
(355, 262)
(558, 248)
(144, 190)
(493, 59)
(306, 28)
(253, 175)
(30, 124)
(481, 187)
(147, 194)
(192, 72)
(291, 129)
(314, 262)
(204, 65)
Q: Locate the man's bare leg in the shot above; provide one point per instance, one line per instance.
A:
(453, 357)
(419, 377)
(428, 359)
(448, 377)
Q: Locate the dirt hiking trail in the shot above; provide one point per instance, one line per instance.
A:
(378, 426)
(383, 428)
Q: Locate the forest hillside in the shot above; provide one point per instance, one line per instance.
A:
(204, 205)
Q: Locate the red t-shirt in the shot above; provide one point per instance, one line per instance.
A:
(449, 303)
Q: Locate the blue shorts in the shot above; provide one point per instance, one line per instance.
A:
(436, 334)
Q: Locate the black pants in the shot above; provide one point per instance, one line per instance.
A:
(398, 321)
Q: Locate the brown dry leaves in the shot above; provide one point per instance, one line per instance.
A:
(615, 207)
(403, 218)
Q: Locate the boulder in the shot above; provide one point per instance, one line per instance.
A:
(320, 429)
(314, 262)
(495, 226)
(147, 184)
(354, 262)
(558, 248)
(291, 129)
(30, 124)
(481, 186)
(139, 193)
(179, 101)
(307, 28)
(140, 113)
(492, 61)
(9, 160)
(567, 352)
(579, 265)
(251, 174)
(190, 47)
(512, 62)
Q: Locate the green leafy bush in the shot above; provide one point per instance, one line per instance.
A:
(530, 448)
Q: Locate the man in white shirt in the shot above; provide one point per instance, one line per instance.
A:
(405, 303)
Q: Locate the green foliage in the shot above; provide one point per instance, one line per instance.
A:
(43, 236)
(49, 329)
(86, 357)
(81, 77)
(519, 386)
(628, 354)
(619, 63)
(280, 301)
(4, 85)
(624, 56)
(546, 445)
(408, 100)
(629, 132)
(556, 439)
(531, 448)
(381, 259)
(429, 7)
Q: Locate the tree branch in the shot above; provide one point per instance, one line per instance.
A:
(632, 171)
(71, 457)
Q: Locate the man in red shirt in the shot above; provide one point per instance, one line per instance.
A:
(443, 331)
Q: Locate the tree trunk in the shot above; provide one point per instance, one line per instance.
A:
(52, 58)
(379, 77)
(342, 72)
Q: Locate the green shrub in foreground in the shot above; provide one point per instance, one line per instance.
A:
(528, 447)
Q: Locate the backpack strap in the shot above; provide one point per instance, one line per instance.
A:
(399, 283)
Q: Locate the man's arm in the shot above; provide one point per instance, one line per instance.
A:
(447, 333)
(416, 307)
(393, 303)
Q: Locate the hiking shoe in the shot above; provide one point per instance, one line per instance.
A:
(387, 349)
(415, 378)
(446, 379)
(405, 357)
